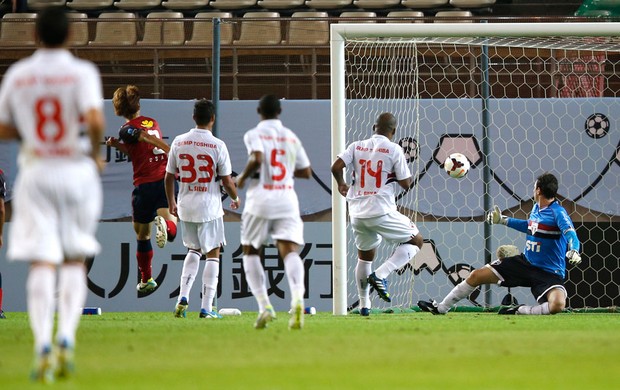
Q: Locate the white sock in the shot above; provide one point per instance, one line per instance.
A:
(73, 290)
(460, 291)
(188, 275)
(294, 267)
(401, 256)
(535, 310)
(255, 276)
(209, 283)
(40, 291)
(362, 270)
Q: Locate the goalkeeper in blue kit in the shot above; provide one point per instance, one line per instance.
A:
(550, 242)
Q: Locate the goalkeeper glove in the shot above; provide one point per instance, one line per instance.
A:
(573, 257)
(496, 217)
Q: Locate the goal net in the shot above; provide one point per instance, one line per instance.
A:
(517, 100)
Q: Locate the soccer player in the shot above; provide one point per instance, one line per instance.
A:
(2, 216)
(200, 159)
(45, 101)
(550, 240)
(378, 165)
(141, 139)
(276, 157)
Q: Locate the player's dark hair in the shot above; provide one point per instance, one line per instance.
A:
(126, 101)
(386, 123)
(204, 112)
(52, 26)
(548, 185)
(269, 107)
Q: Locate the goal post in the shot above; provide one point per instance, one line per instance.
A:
(551, 105)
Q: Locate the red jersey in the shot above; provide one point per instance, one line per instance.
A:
(149, 162)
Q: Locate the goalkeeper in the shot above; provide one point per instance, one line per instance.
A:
(550, 242)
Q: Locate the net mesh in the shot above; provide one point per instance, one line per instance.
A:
(516, 107)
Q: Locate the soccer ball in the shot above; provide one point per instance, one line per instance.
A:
(456, 165)
(597, 125)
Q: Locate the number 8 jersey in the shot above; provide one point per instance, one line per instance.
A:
(273, 195)
(378, 164)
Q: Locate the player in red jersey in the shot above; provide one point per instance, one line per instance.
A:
(141, 139)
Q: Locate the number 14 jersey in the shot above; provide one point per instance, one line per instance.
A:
(378, 164)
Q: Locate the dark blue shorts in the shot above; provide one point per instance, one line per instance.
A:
(146, 198)
(516, 271)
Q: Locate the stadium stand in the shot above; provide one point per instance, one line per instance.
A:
(90, 5)
(280, 4)
(115, 32)
(260, 32)
(158, 30)
(357, 14)
(137, 5)
(15, 31)
(190, 5)
(302, 31)
(232, 4)
(376, 4)
(471, 3)
(453, 16)
(37, 5)
(423, 4)
(78, 34)
(202, 32)
(405, 14)
(328, 4)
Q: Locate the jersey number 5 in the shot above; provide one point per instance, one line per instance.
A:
(275, 153)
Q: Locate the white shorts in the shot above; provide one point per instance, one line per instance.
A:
(256, 231)
(394, 227)
(56, 211)
(205, 236)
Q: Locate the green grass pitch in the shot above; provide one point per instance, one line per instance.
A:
(383, 351)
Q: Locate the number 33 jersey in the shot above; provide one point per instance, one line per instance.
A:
(272, 195)
(377, 165)
(199, 158)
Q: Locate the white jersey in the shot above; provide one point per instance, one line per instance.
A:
(58, 195)
(378, 164)
(272, 194)
(199, 158)
(44, 97)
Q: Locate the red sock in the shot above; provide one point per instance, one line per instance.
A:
(172, 230)
(0, 298)
(144, 255)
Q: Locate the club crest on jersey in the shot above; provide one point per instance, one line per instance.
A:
(533, 227)
(146, 124)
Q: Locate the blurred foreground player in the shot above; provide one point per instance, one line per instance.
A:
(45, 100)
(141, 139)
(551, 240)
(2, 216)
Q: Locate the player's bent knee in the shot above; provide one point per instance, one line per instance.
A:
(556, 307)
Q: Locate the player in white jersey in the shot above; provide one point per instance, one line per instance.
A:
(378, 164)
(45, 101)
(276, 157)
(200, 159)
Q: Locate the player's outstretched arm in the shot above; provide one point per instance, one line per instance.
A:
(157, 142)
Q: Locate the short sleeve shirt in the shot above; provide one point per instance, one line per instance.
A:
(199, 157)
(272, 194)
(377, 165)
